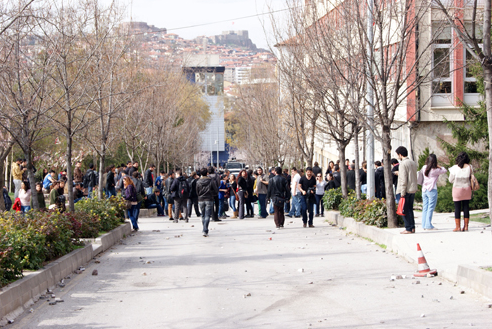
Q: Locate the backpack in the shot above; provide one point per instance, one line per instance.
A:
(183, 189)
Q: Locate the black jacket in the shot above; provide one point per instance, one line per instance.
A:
(138, 186)
(206, 189)
(175, 187)
(216, 180)
(331, 185)
(278, 187)
(152, 199)
(131, 171)
(316, 171)
(337, 178)
(351, 179)
(91, 178)
(110, 180)
(148, 181)
(363, 176)
(169, 183)
(192, 184)
(379, 182)
(7, 200)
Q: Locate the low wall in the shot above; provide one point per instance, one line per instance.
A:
(21, 294)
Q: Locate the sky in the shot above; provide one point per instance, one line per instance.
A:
(173, 14)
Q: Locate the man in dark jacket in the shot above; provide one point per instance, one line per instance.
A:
(193, 200)
(137, 181)
(181, 192)
(149, 179)
(337, 178)
(316, 169)
(351, 177)
(154, 201)
(6, 199)
(206, 189)
(278, 193)
(133, 169)
(215, 178)
(110, 182)
(90, 180)
(379, 180)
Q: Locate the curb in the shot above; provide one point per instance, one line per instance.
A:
(21, 294)
(471, 277)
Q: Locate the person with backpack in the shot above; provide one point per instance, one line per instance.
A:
(279, 192)
(90, 180)
(149, 179)
(193, 200)
(206, 190)
(180, 190)
(141, 196)
(130, 195)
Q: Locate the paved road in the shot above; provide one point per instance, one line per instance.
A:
(158, 280)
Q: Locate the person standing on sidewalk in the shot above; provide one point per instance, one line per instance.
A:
(261, 191)
(307, 186)
(233, 194)
(242, 192)
(206, 190)
(17, 175)
(278, 192)
(148, 180)
(407, 186)
(295, 210)
(320, 191)
(459, 176)
(130, 195)
(431, 172)
(193, 200)
(181, 192)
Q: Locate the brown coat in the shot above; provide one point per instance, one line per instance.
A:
(78, 176)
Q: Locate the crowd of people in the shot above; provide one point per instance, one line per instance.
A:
(278, 192)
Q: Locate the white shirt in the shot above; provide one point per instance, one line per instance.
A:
(294, 185)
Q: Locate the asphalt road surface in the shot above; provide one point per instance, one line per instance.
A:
(247, 274)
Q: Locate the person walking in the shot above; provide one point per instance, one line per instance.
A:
(181, 192)
(407, 186)
(242, 191)
(206, 190)
(233, 195)
(251, 199)
(17, 176)
(460, 176)
(130, 195)
(307, 186)
(431, 172)
(167, 193)
(278, 192)
(90, 181)
(214, 175)
(316, 169)
(25, 197)
(223, 189)
(320, 191)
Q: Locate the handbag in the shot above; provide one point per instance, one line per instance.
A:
(420, 177)
(128, 204)
(401, 207)
(473, 181)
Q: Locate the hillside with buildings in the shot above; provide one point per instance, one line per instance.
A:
(237, 53)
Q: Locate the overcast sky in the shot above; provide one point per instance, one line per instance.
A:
(173, 14)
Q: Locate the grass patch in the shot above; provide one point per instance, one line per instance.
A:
(487, 268)
(481, 218)
(372, 241)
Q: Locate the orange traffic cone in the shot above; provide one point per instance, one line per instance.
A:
(423, 268)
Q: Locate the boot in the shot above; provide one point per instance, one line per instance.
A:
(235, 215)
(458, 225)
(465, 226)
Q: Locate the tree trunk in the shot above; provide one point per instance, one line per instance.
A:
(343, 168)
(31, 178)
(102, 159)
(356, 168)
(487, 74)
(3, 155)
(388, 179)
(71, 204)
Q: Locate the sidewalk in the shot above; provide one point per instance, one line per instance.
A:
(457, 256)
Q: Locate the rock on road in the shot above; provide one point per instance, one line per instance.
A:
(246, 274)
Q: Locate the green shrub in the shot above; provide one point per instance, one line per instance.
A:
(109, 211)
(332, 198)
(84, 225)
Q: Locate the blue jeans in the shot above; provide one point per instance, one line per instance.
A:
(262, 201)
(307, 206)
(139, 205)
(397, 198)
(232, 202)
(271, 211)
(77, 200)
(296, 205)
(160, 211)
(287, 207)
(430, 201)
(132, 214)
(363, 189)
(221, 207)
(25, 208)
(111, 192)
(89, 192)
(206, 208)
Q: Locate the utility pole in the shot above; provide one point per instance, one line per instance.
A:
(370, 105)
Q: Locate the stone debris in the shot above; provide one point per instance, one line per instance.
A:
(462, 292)
(416, 282)
(95, 272)
(192, 225)
(393, 278)
(52, 303)
(11, 321)
(167, 238)
(399, 277)
(77, 272)
(422, 315)
(301, 270)
(49, 291)
(156, 230)
(268, 230)
(451, 297)
(59, 300)
(489, 305)
(440, 284)
(42, 297)
(144, 274)
(31, 311)
(140, 243)
(148, 262)
(310, 282)
(436, 300)
(53, 296)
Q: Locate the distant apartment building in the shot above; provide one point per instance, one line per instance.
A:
(242, 74)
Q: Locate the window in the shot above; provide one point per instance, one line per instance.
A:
(470, 81)
(441, 62)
